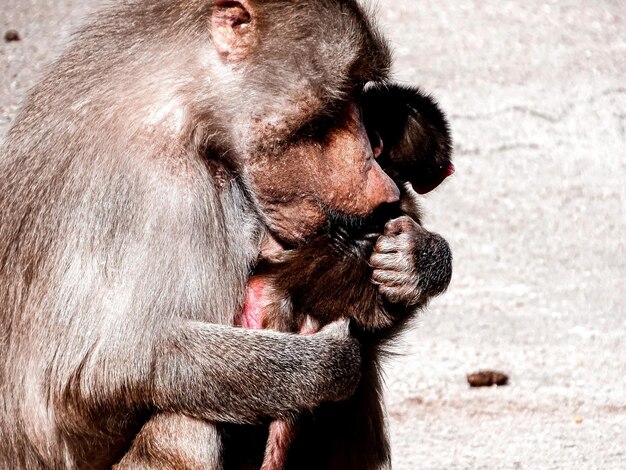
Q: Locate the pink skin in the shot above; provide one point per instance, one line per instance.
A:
(254, 309)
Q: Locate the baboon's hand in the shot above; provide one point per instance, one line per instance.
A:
(410, 264)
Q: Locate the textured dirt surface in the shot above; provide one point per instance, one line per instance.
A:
(536, 215)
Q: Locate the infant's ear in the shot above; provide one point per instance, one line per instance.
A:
(438, 175)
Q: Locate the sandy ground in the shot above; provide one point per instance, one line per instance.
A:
(536, 215)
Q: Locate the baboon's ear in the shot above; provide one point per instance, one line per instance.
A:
(232, 28)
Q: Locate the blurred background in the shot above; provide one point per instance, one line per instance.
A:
(536, 215)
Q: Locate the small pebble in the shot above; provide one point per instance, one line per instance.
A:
(487, 378)
(11, 35)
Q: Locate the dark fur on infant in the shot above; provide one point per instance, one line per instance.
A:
(331, 277)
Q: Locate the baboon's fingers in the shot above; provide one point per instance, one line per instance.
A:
(391, 261)
(388, 278)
